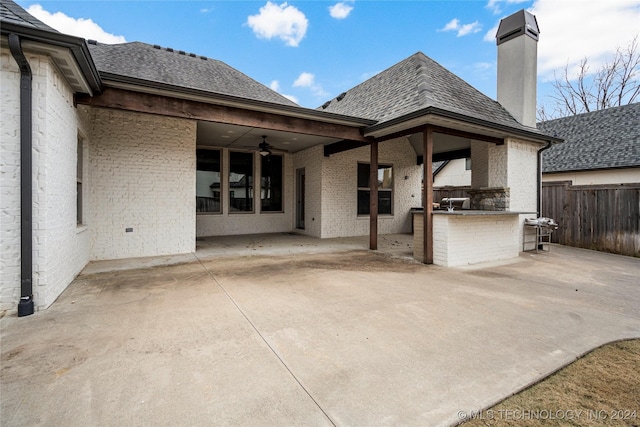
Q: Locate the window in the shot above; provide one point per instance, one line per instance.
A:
(79, 173)
(271, 183)
(467, 164)
(240, 182)
(208, 181)
(385, 189)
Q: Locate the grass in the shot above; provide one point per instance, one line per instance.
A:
(600, 389)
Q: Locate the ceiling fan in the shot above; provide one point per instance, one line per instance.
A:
(265, 148)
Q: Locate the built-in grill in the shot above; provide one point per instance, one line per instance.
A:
(537, 233)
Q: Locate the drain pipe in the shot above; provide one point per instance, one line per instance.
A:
(539, 205)
(25, 306)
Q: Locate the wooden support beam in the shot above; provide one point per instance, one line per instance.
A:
(427, 195)
(448, 155)
(444, 131)
(122, 99)
(340, 146)
(373, 197)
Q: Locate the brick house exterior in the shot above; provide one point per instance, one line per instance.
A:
(114, 156)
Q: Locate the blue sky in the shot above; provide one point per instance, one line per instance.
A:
(312, 51)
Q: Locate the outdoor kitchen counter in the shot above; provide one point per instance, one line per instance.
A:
(466, 237)
(467, 212)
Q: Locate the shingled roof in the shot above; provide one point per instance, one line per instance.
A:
(597, 140)
(179, 69)
(11, 13)
(417, 83)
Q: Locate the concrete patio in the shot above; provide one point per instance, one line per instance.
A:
(334, 337)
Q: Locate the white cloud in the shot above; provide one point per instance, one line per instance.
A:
(463, 30)
(496, 5)
(451, 25)
(308, 80)
(340, 10)
(483, 66)
(80, 27)
(490, 35)
(472, 28)
(290, 98)
(275, 85)
(304, 80)
(282, 21)
(571, 31)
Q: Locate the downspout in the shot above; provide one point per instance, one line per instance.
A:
(25, 306)
(539, 205)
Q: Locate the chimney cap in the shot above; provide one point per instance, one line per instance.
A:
(518, 24)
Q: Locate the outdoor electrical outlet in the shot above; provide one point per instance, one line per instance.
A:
(128, 230)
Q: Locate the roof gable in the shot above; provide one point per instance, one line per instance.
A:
(179, 69)
(601, 139)
(413, 84)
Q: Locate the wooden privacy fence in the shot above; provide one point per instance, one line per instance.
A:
(600, 217)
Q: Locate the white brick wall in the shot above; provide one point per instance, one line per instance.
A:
(522, 165)
(479, 164)
(9, 182)
(250, 223)
(142, 175)
(59, 250)
(512, 165)
(497, 165)
(460, 240)
(311, 160)
(339, 190)
(66, 248)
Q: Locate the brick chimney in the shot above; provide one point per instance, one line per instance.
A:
(517, 41)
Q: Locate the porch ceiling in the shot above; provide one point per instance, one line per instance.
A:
(212, 134)
(441, 143)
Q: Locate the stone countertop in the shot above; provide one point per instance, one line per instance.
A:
(468, 212)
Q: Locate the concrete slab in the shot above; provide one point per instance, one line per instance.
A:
(349, 338)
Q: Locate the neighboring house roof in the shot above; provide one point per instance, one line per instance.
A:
(11, 13)
(601, 139)
(151, 63)
(418, 83)
(438, 166)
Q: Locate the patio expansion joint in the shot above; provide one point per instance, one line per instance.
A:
(266, 342)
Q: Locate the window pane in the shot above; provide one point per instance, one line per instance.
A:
(271, 184)
(385, 202)
(208, 181)
(363, 202)
(363, 175)
(385, 189)
(385, 177)
(240, 182)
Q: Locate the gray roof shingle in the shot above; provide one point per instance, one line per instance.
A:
(180, 69)
(416, 83)
(601, 139)
(10, 12)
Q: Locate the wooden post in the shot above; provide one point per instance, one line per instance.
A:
(373, 197)
(427, 195)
